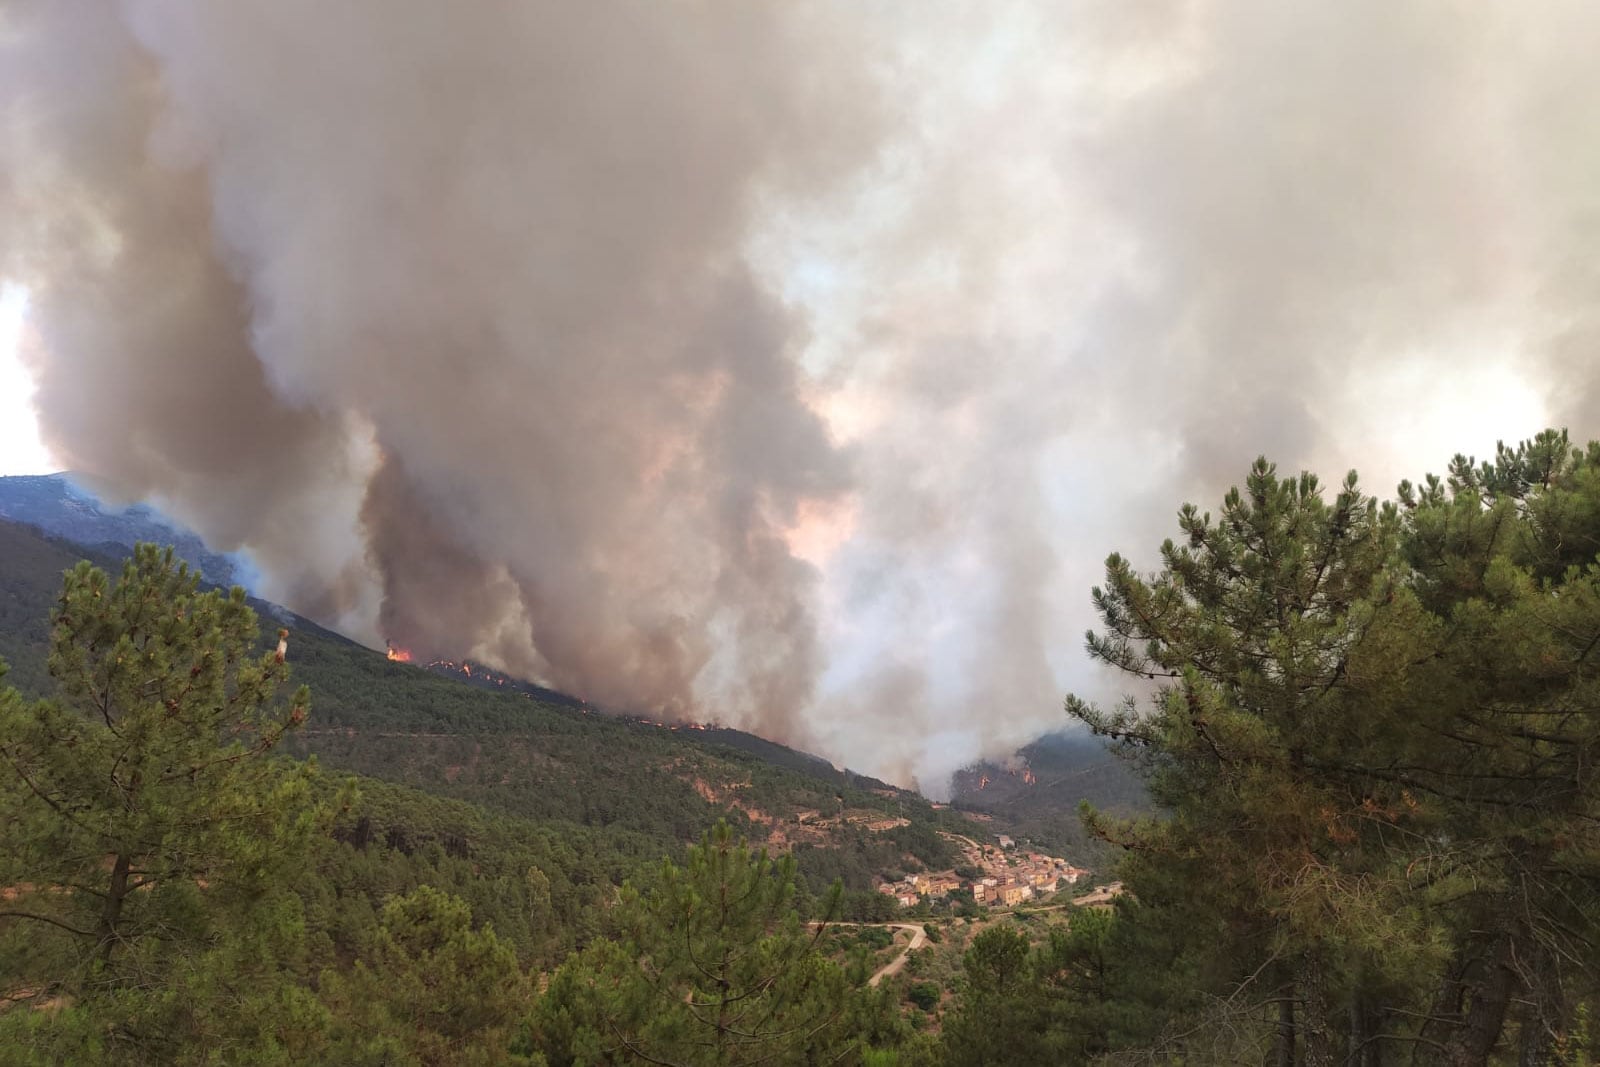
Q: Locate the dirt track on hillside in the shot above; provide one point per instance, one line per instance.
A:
(919, 937)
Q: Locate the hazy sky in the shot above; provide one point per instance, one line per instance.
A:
(790, 365)
(21, 452)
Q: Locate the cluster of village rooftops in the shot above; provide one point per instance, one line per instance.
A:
(1009, 876)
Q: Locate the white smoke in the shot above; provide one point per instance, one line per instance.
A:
(788, 365)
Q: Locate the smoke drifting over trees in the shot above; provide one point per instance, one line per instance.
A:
(793, 365)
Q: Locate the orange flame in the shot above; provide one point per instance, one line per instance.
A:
(1027, 776)
(398, 655)
(983, 782)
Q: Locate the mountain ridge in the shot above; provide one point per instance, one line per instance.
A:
(514, 754)
(1070, 767)
(57, 505)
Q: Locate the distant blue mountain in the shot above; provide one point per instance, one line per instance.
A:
(54, 504)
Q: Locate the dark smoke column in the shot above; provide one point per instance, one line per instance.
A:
(445, 314)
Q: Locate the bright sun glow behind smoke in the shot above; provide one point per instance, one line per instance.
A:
(1410, 419)
(20, 449)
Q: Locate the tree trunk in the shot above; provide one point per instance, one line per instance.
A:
(1539, 1026)
(1472, 1043)
(1445, 1014)
(1535, 1046)
(111, 910)
(1372, 1053)
(1366, 1048)
(1317, 1028)
(1470, 1011)
(1283, 1039)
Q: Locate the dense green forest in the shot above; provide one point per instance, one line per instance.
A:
(519, 755)
(1369, 728)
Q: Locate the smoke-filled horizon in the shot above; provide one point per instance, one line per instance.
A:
(791, 366)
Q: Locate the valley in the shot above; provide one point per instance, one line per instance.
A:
(541, 814)
(462, 731)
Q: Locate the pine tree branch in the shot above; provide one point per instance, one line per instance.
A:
(14, 914)
(36, 791)
(631, 1047)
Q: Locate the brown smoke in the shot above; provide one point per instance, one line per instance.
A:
(789, 364)
(492, 257)
(151, 386)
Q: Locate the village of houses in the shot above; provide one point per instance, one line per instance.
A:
(1010, 876)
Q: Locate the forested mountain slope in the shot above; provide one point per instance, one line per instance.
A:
(1371, 756)
(513, 753)
(1037, 793)
(1068, 767)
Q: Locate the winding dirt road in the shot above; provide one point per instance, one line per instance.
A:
(919, 937)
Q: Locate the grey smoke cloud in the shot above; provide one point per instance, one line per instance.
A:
(791, 365)
(482, 267)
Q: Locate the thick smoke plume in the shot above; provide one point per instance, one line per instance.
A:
(485, 266)
(790, 365)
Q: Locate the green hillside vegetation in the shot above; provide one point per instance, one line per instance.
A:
(1372, 739)
(524, 757)
(1370, 736)
(177, 889)
(31, 566)
(512, 754)
(1071, 767)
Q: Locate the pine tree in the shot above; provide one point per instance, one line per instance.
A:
(1275, 637)
(711, 966)
(1505, 553)
(1373, 733)
(143, 805)
(430, 989)
(1062, 1002)
(1000, 1018)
